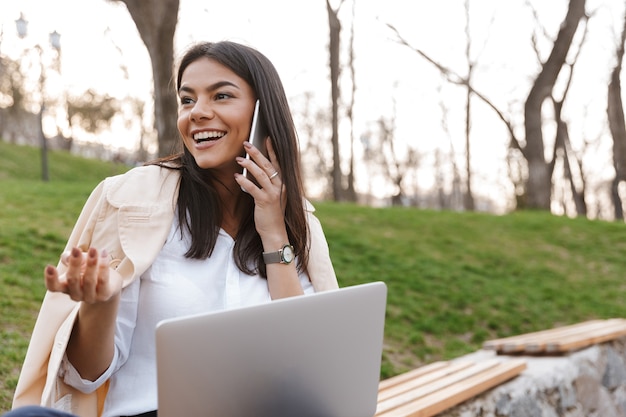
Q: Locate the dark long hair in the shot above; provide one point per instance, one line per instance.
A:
(199, 209)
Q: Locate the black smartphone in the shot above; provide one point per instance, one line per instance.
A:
(258, 133)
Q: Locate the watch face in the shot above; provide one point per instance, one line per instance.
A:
(288, 254)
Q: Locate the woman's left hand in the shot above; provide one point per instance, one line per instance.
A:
(269, 195)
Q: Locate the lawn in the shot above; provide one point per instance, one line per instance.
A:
(454, 279)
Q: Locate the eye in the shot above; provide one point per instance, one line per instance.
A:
(186, 100)
(222, 96)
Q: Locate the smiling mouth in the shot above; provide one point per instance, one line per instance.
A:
(207, 136)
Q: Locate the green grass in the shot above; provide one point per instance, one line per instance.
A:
(454, 279)
(458, 279)
(35, 221)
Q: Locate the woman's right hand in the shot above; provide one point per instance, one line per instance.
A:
(88, 277)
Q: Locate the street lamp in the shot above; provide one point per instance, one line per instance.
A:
(21, 25)
(55, 40)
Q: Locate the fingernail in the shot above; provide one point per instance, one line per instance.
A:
(239, 159)
(247, 144)
(75, 252)
(49, 270)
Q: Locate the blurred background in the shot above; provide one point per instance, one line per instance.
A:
(466, 105)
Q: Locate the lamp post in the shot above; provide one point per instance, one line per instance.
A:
(21, 25)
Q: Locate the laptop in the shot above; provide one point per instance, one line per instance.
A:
(316, 355)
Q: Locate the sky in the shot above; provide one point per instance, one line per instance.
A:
(98, 37)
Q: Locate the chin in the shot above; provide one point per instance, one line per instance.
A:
(204, 165)
(202, 162)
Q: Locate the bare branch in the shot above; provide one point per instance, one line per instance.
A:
(575, 59)
(457, 79)
(534, 39)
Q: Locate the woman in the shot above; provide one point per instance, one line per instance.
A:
(227, 240)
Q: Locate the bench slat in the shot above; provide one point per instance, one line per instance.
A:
(609, 332)
(398, 379)
(579, 332)
(411, 388)
(498, 344)
(560, 340)
(456, 390)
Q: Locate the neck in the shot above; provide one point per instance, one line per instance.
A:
(230, 200)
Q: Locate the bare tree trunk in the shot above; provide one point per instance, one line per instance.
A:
(333, 48)
(562, 142)
(350, 192)
(439, 181)
(617, 126)
(457, 197)
(156, 22)
(468, 200)
(539, 182)
(577, 195)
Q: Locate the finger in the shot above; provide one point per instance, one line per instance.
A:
(104, 288)
(262, 190)
(271, 153)
(260, 159)
(253, 152)
(90, 277)
(274, 177)
(250, 182)
(53, 281)
(73, 275)
(65, 257)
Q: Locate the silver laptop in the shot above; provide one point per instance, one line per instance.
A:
(317, 355)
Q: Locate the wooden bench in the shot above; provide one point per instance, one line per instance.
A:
(560, 340)
(434, 388)
(431, 389)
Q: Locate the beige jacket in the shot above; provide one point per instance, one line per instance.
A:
(130, 216)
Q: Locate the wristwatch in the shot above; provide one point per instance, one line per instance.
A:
(284, 255)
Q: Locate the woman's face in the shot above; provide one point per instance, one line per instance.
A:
(214, 114)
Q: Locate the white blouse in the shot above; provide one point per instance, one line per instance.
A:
(173, 286)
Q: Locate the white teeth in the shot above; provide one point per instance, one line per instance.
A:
(207, 135)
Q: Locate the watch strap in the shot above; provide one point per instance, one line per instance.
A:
(272, 257)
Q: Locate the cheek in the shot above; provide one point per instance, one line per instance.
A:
(181, 122)
(243, 125)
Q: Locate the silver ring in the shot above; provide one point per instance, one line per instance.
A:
(273, 175)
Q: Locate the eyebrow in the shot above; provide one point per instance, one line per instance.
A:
(211, 87)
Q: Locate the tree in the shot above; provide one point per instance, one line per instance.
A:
(350, 191)
(383, 155)
(466, 81)
(316, 157)
(91, 111)
(156, 22)
(617, 126)
(539, 180)
(457, 198)
(534, 183)
(562, 145)
(334, 26)
(468, 199)
(13, 95)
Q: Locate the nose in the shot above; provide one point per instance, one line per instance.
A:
(201, 110)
